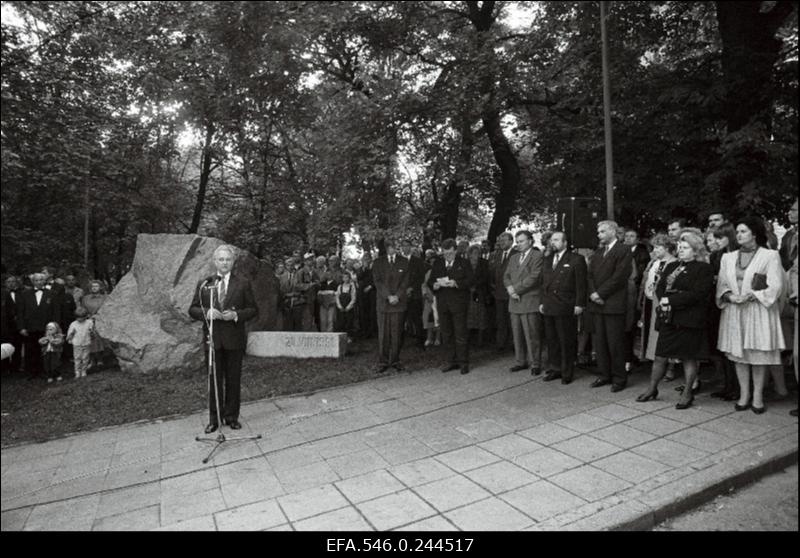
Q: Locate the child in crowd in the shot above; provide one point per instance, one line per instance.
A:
(52, 344)
(345, 304)
(80, 334)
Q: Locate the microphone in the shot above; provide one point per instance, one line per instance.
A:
(213, 279)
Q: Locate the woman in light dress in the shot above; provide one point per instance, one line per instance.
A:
(749, 288)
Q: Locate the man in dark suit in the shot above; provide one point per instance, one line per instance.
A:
(788, 250)
(11, 302)
(234, 304)
(563, 300)
(38, 307)
(390, 273)
(499, 264)
(609, 270)
(450, 280)
(416, 276)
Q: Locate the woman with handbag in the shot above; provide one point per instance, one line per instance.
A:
(683, 293)
(663, 255)
(749, 288)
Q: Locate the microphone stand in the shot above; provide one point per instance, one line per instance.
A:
(220, 438)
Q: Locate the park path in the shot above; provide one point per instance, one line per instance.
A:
(490, 450)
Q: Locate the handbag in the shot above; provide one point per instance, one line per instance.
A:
(759, 282)
(663, 317)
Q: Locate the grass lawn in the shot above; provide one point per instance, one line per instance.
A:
(33, 410)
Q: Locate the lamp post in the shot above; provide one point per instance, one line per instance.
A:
(607, 113)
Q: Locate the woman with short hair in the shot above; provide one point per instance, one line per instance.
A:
(749, 288)
(683, 294)
(663, 254)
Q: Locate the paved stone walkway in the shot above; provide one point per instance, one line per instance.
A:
(424, 451)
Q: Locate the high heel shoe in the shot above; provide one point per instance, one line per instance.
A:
(698, 387)
(648, 396)
(759, 410)
(686, 405)
(742, 407)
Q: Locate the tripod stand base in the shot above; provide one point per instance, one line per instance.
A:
(221, 439)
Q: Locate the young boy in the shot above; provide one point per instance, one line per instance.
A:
(80, 336)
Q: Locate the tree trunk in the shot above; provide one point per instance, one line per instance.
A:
(205, 173)
(447, 219)
(510, 175)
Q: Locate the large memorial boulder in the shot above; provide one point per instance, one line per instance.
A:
(146, 319)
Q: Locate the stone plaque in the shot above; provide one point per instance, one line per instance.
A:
(296, 344)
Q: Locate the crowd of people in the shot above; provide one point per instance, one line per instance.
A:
(47, 325)
(725, 295)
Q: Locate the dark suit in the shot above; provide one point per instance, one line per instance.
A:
(416, 276)
(563, 288)
(608, 276)
(366, 303)
(498, 265)
(34, 318)
(390, 280)
(788, 249)
(229, 340)
(451, 304)
(691, 293)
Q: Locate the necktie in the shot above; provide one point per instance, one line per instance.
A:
(606, 251)
(223, 290)
(555, 260)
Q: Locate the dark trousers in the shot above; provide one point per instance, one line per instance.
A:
(453, 324)
(229, 374)
(293, 318)
(562, 343)
(608, 340)
(33, 353)
(413, 320)
(51, 362)
(366, 313)
(503, 324)
(390, 327)
(345, 321)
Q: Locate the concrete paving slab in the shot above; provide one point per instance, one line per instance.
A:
(584, 422)
(654, 424)
(586, 448)
(466, 459)
(623, 436)
(345, 519)
(491, 514)
(510, 446)
(358, 463)
(144, 519)
(630, 466)
(589, 483)
(437, 523)
(420, 472)
(117, 502)
(451, 492)
(501, 477)
(369, 486)
(256, 516)
(311, 502)
(396, 510)
(541, 500)
(547, 462)
(669, 452)
(547, 434)
(306, 477)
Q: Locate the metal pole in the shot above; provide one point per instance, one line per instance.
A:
(607, 114)
(86, 229)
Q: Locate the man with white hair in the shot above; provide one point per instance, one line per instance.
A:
(233, 305)
(39, 306)
(609, 270)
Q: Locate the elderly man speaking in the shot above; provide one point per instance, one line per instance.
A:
(234, 304)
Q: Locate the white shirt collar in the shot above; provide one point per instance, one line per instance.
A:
(610, 246)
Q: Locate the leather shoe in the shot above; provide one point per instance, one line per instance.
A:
(449, 367)
(211, 427)
(465, 369)
(535, 371)
(599, 382)
(234, 424)
(566, 381)
(518, 367)
(617, 387)
(550, 376)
